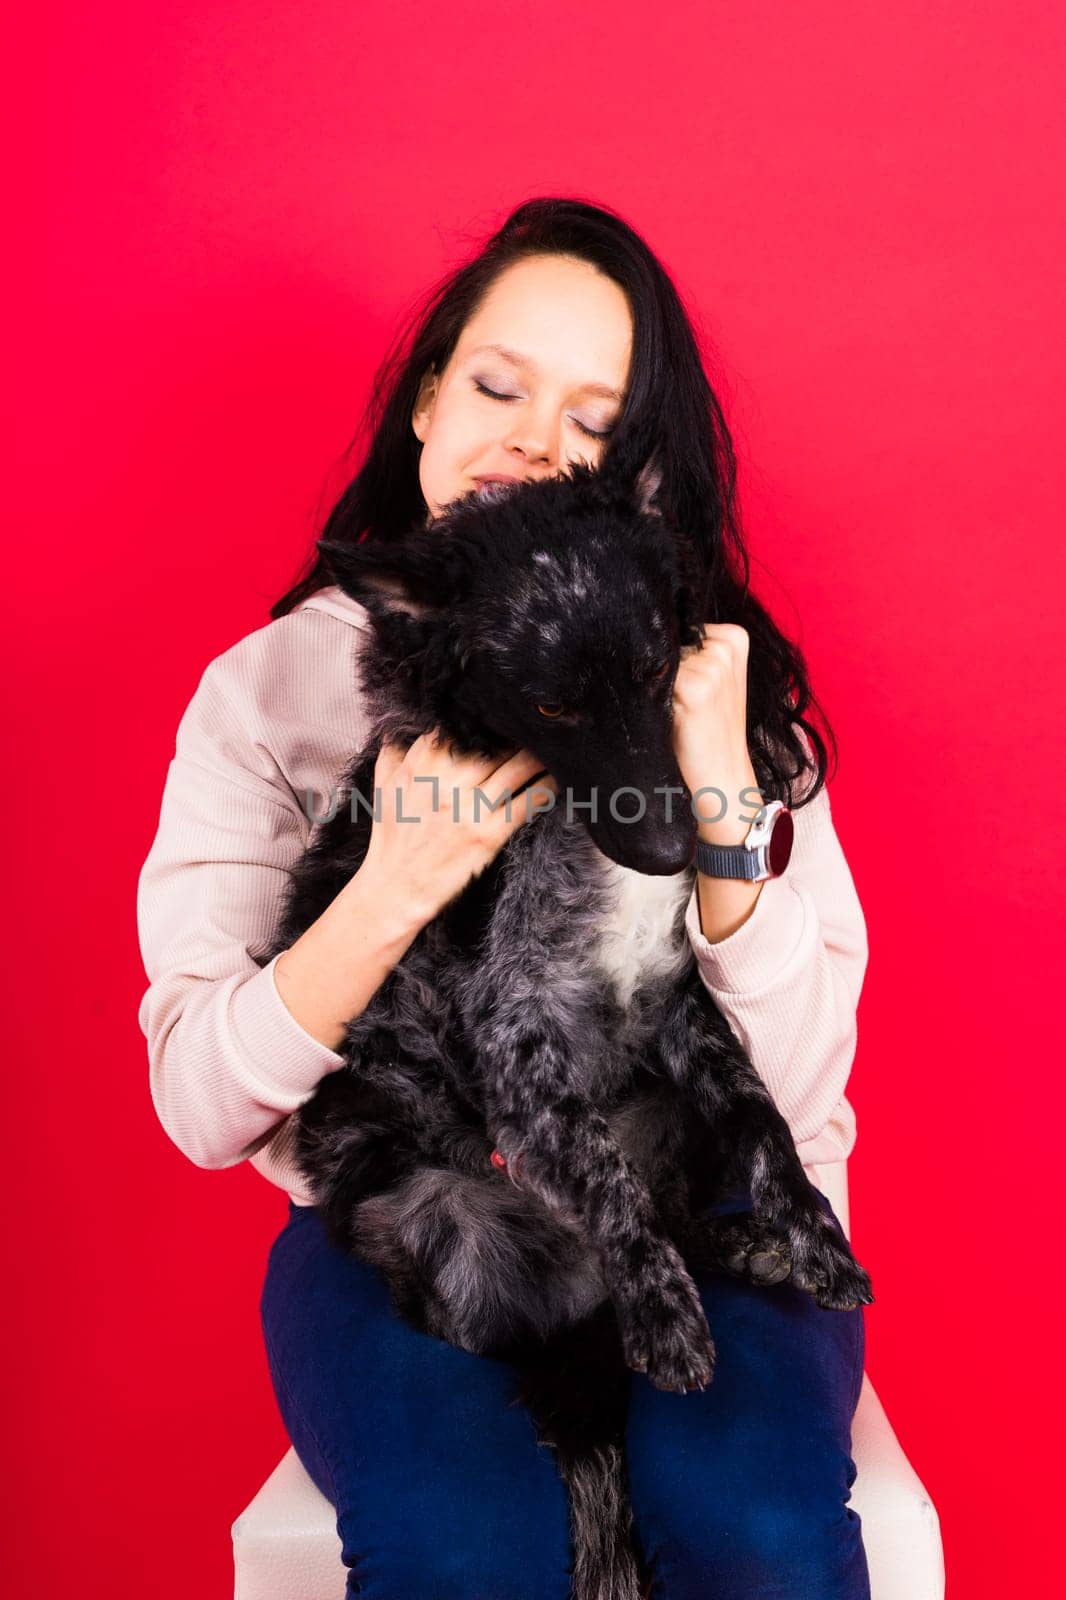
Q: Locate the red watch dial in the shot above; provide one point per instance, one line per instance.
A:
(779, 851)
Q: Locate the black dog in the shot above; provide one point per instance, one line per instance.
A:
(553, 1011)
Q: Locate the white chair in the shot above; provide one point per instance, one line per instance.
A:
(286, 1546)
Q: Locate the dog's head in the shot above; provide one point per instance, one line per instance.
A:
(549, 616)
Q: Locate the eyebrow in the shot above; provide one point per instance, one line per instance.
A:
(519, 360)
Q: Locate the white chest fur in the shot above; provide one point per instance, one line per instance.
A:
(636, 941)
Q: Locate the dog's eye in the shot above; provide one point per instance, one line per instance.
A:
(552, 709)
(661, 672)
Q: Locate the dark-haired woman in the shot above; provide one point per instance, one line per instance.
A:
(564, 339)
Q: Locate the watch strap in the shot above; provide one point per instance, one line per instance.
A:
(729, 861)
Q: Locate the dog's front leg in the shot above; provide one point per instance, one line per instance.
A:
(531, 1006)
(571, 1159)
(709, 1063)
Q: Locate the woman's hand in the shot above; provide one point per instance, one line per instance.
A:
(710, 732)
(425, 863)
(411, 869)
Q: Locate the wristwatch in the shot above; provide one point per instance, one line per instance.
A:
(765, 853)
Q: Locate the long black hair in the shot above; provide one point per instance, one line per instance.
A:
(671, 416)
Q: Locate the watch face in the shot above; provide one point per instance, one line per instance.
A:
(779, 850)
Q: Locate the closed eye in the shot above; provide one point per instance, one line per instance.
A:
(591, 433)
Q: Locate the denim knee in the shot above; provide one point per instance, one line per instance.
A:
(439, 1487)
(434, 1564)
(793, 1540)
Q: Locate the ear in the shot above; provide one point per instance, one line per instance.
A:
(424, 403)
(413, 578)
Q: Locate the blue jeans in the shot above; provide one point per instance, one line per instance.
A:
(442, 1492)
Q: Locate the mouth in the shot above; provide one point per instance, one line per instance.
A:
(494, 486)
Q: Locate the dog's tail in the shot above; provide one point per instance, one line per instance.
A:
(576, 1386)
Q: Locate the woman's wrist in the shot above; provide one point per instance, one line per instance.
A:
(372, 896)
(331, 972)
(725, 904)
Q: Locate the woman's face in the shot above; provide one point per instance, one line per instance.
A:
(569, 333)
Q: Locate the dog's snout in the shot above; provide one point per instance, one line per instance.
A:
(658, 855)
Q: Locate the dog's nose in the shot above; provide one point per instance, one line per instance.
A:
(665, 860)
(656, 857)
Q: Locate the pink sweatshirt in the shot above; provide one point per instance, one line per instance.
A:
(279, 714)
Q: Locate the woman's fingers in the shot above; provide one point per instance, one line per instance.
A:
(513, 774)
(432, 756)
(432, 753)
(388, 760)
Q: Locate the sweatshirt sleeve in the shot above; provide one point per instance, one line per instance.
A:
(227, 1060)
(788, 982)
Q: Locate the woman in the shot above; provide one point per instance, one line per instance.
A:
(563, 340)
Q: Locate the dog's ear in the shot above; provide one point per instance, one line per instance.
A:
(649, 482)
(413, 577)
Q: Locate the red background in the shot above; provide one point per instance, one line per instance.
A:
(220, 211)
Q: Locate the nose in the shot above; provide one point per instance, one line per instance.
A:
(535, 438)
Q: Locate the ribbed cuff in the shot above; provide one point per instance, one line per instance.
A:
(754, 954)
(825, 1148)
(278, 1052)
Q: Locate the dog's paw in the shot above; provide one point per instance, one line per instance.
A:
(825, 1267)
(665, 1335)
(750, 1248)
